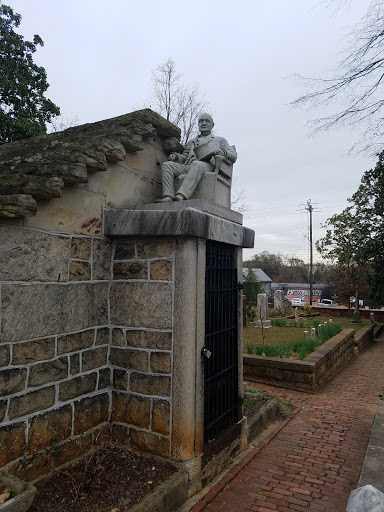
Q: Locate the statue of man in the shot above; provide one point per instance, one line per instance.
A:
(188, 164)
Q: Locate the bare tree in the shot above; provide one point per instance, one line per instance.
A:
(359, 84)
(179, 103)
(61, 123)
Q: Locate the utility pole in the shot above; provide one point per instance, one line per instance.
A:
(309, 208)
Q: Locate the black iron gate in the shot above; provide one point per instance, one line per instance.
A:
(221, 400)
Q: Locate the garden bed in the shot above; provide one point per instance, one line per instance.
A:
(112, 479)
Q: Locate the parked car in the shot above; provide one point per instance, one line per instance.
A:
(326, 302)
(298, 302)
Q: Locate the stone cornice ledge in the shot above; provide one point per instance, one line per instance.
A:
(185, 223)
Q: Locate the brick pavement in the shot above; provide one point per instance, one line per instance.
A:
(314, 461)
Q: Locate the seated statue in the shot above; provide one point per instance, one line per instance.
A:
(201, 154)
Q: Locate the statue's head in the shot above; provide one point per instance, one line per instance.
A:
(205, 123)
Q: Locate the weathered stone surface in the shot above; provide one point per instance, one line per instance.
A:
(120, 434)
(161, 270)
(187, 222)
(155, 248)
(4, 355)
(172, 145)
(160, 362)
(81, 248)
(40, 188)
(50, 371)
(74, 342)
(124, 250)
(365, 499)
(161, 416)
(32, 467)
(3, 408)
(118, 338)
(27, 255)
(12, 380)
(55, 425)
(33, 351)
(150, 384)
(102, 255)
(141, 304)
(102, 336)
(17, 205)
(68, 172)
(79, 271)
(31, 402)
(114, 151)
(71, 308)
(131, 359)
(71, 450)
(94, 358)
(149, 339)
(90, 412)
(120, 379)
(130, 270)
(78, 211)
(12, 442)
(104, 378)
(74, 364)
(131, 409)
(151, 443)
(78, 386)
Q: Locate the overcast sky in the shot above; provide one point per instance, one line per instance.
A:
(99, 56)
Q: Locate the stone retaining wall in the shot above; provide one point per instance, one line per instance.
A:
(316, 369)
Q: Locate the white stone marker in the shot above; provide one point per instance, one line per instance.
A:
(262, 311)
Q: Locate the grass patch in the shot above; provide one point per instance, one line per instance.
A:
(296, 348)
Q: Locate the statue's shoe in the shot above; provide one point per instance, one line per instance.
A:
(179, 197)
(166, 199)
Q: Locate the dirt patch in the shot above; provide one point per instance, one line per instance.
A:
(110, 479)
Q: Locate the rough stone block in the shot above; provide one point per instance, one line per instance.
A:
(161, 416)
(55, 425)
(50, 371)
(120, 434)
(71, 308)
(160, 362)
(150, 384)
(146, 442)
(161, 270)
(12, 381)
(77, 386)
(102, 336)
(3, 408)
(33, 351)
(155, 248)
(12, 442)
(31, 402)
(130, 270)
(141, 304)
(149, 339)
(74, 364)
(131, 359)
(74, 342)
(90, 412)
(131, 409)
(4, 355)
(79, 271)
(71, 450)
(104, 378)
(17, 205)
(102, 255)
(81, 248)
(27, 255)
(120, 379)
(118, 338)
(124, 250)
(94, 358)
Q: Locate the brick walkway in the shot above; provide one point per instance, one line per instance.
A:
(314, 461)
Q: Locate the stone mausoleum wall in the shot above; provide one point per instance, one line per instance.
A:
(74, 304)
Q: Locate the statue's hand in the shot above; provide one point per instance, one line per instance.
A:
(220, 152)
(173, 157)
